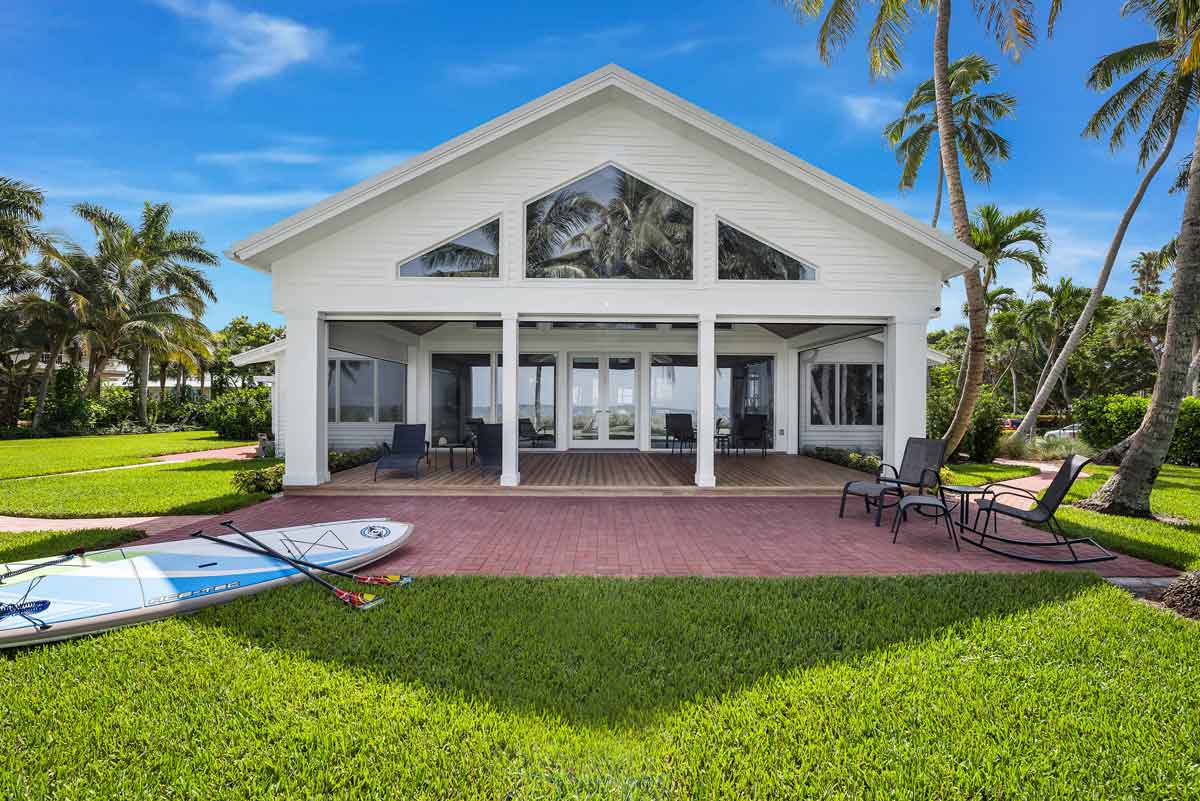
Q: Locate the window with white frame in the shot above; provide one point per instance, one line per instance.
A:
(366, 390)
(845, 394)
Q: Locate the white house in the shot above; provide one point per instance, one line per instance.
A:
(589, 262)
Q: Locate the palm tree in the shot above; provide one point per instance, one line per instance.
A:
(1017, 237)
(1148, 267)
(141, 300)
(974, 116)
(20, 211)
(155, 262)
(1159, 88)
(1011, 23)
(1142, 320)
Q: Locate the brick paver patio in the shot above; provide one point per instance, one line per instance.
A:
(712, 536)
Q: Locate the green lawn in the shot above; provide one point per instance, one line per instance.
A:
(1176, 495)
(15, 546)
(1035, 686)
(976, 473)
(199, 487)
(40, 457)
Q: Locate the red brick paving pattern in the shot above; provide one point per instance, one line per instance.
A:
(710, 536)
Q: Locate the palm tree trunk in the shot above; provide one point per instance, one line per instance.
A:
(937, 198)
(143, 385)
(1127, 491)
(1194, 370)
(972, 281)
(97, 370)
(1025, 430)
(47, 377)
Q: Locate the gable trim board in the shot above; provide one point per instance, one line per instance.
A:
(260, 250)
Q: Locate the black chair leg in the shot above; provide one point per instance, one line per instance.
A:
(842, 508)
(879, 511)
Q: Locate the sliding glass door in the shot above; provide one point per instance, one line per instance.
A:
(603, 396)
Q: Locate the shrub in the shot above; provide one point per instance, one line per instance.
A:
(866, 462)
(112, 407)
(1042, 449)
(66, 406)
(344, 460)
(241, 413)
(1106, 420)
(263, 479)
(982, 441)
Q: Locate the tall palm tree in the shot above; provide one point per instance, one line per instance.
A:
(1148, 267)
(154, 262)
(20, 212)
(1011, 23)
(1019, 237)
(141, 300)
(1158, 90)
(1142, 320)
(975, 114)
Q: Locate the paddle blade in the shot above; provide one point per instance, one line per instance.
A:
(386, 580)
(359, 600)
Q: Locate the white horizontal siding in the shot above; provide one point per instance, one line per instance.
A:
(352, 436)
(849, 438)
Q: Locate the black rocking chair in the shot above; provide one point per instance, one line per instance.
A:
(408, 449)
(919, 469)
(1042, 514)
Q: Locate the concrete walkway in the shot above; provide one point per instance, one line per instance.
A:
(236, 452)
(150, 525)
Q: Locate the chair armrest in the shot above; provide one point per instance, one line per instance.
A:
(385, 449)
(1009, 489)
(937, 478)
(879, 472)
(1016, 492)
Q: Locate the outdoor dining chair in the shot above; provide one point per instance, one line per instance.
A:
(528, 433)
(751, 430)
(1040, 514)
(490, 442)
(406, 451)
(919, 469)
(681, 431)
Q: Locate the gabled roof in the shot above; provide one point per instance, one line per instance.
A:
(253, 250)
(263, 353)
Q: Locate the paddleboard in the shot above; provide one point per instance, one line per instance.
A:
(101, 590)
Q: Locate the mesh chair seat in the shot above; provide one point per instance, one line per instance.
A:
(869, 488)
(1034, 515)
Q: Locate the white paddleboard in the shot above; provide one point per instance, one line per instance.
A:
(102, 590)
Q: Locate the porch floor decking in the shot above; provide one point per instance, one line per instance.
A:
(603, 473)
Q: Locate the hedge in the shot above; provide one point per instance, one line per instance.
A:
(241, 413)
(1106, 420)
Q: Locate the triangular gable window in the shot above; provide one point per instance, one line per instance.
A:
(475, 254)
(608, 224)
(741, 257)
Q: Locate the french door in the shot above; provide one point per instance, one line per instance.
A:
(604, 410)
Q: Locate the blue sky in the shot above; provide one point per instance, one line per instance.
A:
(240, 112)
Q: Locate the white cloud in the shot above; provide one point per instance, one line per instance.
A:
(357, 168)
(477, 75)
(251, 45)
(188, 202)
(686, 47)
(268, 155)
(871, 111)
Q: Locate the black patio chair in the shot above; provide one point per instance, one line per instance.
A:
(406, 451)
(490, 442)
(680, 430)
(919, 469)
(528, 433)
(1042, 514)
(751, 430)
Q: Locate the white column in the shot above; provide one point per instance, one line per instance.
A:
(412, 413)
(904, 387)
(304, 394)
(706, 367)
(510, 476)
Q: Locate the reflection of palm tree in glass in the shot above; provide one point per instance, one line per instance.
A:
(459, 259)
(744, 257)
(641, 233)
(551, 223)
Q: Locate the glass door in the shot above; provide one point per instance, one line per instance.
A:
(604, 408)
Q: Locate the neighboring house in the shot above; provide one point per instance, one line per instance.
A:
(590, 261)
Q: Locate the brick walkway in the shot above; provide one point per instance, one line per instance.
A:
(734, 536)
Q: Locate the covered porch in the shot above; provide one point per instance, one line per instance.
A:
(617, 474)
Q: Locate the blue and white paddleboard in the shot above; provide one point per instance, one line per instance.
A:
(102, 590)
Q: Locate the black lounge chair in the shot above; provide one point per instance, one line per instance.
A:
(408, 449)
(490, 442)
(919, 471)
(528, 433)
(1042, 514)
(680, 430)
(751, 430)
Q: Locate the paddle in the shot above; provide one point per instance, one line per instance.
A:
(358, 600)
(58, 560)
(360, 578)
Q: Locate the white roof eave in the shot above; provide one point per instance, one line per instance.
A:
(958, 257)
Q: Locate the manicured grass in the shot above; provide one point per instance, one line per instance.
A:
(40, 457)
(1034, 686)
(1176, 495)
(15, 546)
(199, 487)
(975, 474)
